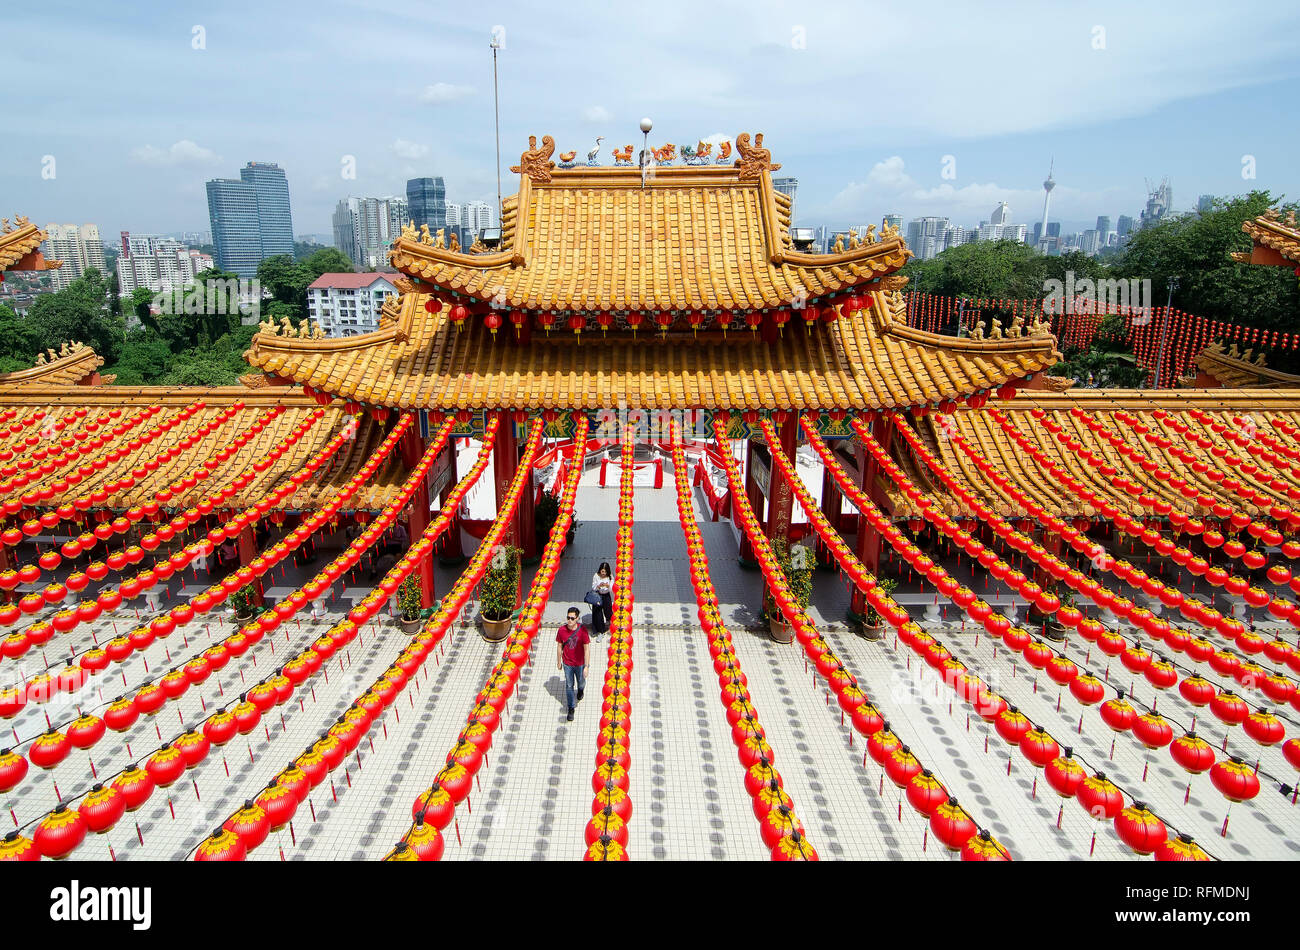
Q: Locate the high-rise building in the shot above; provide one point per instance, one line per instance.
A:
(1204, 204)
(476, 216)
(1001, 214)
(251, 219)
(365, 228)
(78, 246)
(1103, 230)
(925, 236)
(275, 221)
(426, 200)
(1160, 201)
(892, 220)
(1124, 225)
(453, 214)
(159, 264)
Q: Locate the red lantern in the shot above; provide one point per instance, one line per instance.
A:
(221, 845)
(102, 807)
(1099, 796)
(1140, 829)
(951, 825)
(250, 823)
(1064, 774)
(1235, 780)
(59, 832)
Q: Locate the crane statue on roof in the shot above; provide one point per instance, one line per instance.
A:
(594, 154)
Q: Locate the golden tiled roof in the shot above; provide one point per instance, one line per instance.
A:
(986, 436)
(59, 400)
(1276, 239)
(1234, 369)
(870, 359)
(20, 247)
(694, 238)
(74, 364)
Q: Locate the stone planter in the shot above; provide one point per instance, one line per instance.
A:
(411, 627)
(780, 631)
(868, 631)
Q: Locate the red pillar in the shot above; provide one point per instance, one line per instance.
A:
(452, 549)
(781, 509)
(413, 448)
(868, 541)
(505, 462)
(755, 495)
(831, 508)
(248, 551)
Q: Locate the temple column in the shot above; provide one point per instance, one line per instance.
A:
(247, 551)
(868, 540)
(453, 552)
(417, 511)
(781, 509)
(831, 507)
(755, 495)
(505, 462)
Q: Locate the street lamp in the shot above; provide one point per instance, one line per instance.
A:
(1164, 329)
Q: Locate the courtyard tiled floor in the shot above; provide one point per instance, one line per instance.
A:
(532, 798)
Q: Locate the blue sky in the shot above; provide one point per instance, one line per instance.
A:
(861, 101)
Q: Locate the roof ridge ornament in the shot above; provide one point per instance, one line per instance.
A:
(535, 163)
(754, 159)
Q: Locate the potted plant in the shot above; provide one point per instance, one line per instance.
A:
(499, 595)
(545, 513)
(872, 623)
(410, 603)
(241, 601)
(797, 564)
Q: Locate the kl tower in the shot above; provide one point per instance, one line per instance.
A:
(1048, 185)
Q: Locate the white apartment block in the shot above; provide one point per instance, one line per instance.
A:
(159, 264)
(80, 249)
(348, 304)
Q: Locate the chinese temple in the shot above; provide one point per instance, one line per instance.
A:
(1091, 587)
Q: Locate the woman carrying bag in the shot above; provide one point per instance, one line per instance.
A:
(600, 597)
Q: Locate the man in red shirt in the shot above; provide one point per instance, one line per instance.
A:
(571, 654)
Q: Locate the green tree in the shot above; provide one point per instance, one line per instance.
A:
(19, 341)
(79, 312)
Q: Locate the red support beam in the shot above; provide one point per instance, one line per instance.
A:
(781, 510)
(452, 549)
(868, 540)
(413, 448)
(505, 462)
(248, 551)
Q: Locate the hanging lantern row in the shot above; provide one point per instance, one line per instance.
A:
(73, 549)
(1118, 714)
(948, 821)
(52, 747)
(435, 809)
(273, 807)
(68, 618)
(611, 808)
(1238, 520)
(18, 476)
(781, 830)
(1158, 671)
(1189, 606)
(345, 735)
(52, 436)
(1277, 687)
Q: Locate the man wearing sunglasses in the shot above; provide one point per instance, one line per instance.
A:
(571, 654)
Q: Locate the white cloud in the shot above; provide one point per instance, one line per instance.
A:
(596, 114)
(440, 92)
(183, 152)
(409, 150)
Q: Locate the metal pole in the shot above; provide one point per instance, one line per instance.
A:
(1164, 330)
(496, 108)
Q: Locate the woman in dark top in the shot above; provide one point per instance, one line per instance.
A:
(602, 583)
